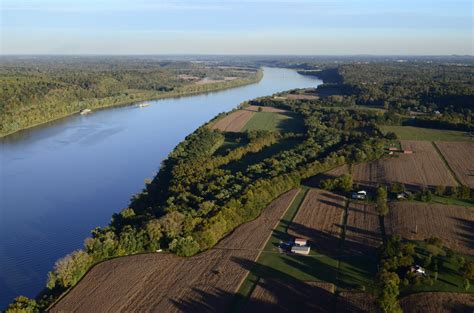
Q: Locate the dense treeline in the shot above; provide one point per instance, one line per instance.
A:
(440, 94)
(196, 198)
(37, 90)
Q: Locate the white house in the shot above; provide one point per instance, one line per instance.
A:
(300, 242)
(300, 249)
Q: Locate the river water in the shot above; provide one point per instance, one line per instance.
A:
(60, 180)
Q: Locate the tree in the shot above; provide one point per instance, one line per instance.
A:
(440, 190)
(388, 292)
(184, 246)
(23, 304)
(468, 270)
(71, 268)
(381, 201)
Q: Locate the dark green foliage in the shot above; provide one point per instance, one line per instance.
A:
(36, 90)
(23, 304)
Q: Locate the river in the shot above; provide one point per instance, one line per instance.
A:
(60, 180)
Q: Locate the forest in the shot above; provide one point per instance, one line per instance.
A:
(39, 89)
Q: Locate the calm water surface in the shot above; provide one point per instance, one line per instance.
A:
(59, 181)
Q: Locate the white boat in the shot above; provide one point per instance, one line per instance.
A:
(85, 111)
(142, 105)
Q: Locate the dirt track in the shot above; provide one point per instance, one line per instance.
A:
(460, 157)
(167, 283)
(418, 221)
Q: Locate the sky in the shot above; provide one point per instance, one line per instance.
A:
(302, 27)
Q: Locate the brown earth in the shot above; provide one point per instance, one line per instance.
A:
(272, 295)
(460, 157)
(234, 121)
(254, 108)
(418, 221)
(319, 220)
(168, 283)
(423, 168)
(352, 302)
(363, 232)
(301, 97)
(438, 302)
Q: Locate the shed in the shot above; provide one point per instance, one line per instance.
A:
(300, 242)
(300, 249)
(407, 151)
(392, 149)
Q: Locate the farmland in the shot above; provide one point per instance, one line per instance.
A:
(273, 121)
(460, 157)
(426, 134)
(319, 220)
(144, 282)
(363, 228)
(438, 302)
(234, 121)
(417, 221)
(422, 168)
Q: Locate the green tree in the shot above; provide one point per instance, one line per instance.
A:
(387, 298)
(23, 304)
(71, 268)
(184, 246)
(381, 201)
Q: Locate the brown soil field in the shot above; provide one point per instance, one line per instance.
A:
(301, 97)
(438, 302)
(453, 224)
(319, 219)
(167, 283)
(363, 232)
(234, 121)
(424, 167)
(271, 295)
(254, 108)
(460, 157)
(352, 302)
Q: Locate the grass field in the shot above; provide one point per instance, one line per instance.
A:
(427, 134)
(273, 121)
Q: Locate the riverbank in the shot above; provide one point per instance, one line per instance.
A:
(109, 102)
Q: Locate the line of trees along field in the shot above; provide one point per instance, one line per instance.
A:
(34, 91)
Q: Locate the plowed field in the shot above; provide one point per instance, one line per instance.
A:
(460, 157)
(418, 221)
(167, 283)
(319, 220)
(363, 228)
(438, 302)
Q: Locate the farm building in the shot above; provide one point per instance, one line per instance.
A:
(300, 242)
(417, 270)
(392, 149)
(361, 194)
(300, 249)
(408, 151)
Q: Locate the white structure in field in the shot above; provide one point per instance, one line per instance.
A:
(300, 242)
(300, 249)
(362, 194)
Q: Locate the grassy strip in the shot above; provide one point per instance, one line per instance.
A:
(425, 134)
(446, 163)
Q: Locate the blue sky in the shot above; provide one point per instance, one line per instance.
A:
(237, 27)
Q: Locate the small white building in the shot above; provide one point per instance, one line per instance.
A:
(300, 249)
(418, 270)
(362, 194)
(300, 242)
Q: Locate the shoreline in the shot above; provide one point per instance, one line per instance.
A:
(234, 84)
